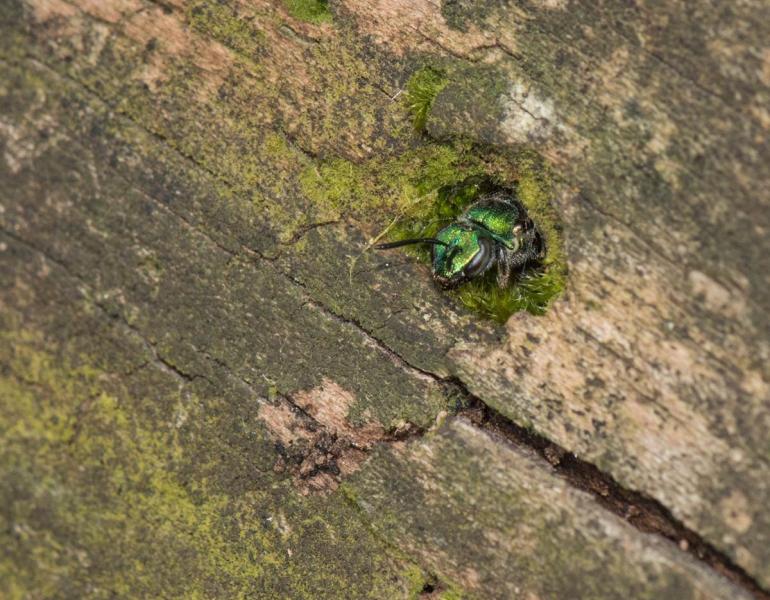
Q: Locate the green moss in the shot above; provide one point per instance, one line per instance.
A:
(452, 593)
(421, 89)
(389, 185)
(534, 290)
(313, 11)
(417, 580)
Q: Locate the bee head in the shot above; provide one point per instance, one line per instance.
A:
(463, 255)
(460, 253)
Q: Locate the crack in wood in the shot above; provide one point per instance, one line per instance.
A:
(636, 508)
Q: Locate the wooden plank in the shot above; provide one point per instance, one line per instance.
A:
(274, 147)
(493, 518)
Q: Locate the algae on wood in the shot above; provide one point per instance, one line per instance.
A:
(189, 373)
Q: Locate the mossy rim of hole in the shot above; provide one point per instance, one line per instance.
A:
(421, 90)
(533, 290)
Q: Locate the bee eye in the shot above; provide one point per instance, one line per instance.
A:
(480, 261)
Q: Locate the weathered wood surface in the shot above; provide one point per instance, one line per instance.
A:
(188, 374)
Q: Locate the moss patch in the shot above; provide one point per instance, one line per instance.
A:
(313, 11)
(534, 289)
(421, 89)
(389, 185)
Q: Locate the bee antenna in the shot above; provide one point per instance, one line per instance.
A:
(400, 243)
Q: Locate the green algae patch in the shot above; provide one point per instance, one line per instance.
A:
(534, 289)
(421, 90)
(118, 487)
(98, 481)
(312, 11)
(387, 185)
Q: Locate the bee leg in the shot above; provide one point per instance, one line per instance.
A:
(533, 250)
(504, 267)
(538, 245)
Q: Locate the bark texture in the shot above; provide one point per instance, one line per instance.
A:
(199, 397)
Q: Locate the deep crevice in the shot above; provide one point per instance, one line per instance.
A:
(643, 512)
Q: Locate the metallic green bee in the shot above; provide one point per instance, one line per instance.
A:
(493, 231)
